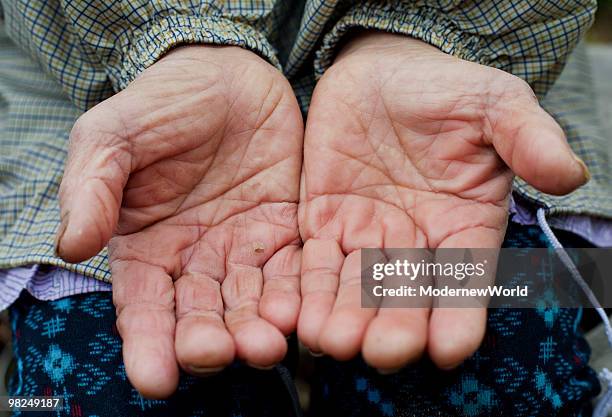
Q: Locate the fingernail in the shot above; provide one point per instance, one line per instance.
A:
(315, 354)
(60, 233)
(261, 368)
(388, 371)
(585, 170)
(196, 370)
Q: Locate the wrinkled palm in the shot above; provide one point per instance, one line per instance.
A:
(192, 172)
(408, 147)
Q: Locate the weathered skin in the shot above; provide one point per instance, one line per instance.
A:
(192, 172)
(191, 175)
(406, 146)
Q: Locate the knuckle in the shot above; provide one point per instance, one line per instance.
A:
(84, 125)
(521, 87)
(509, 88)
(98, 125)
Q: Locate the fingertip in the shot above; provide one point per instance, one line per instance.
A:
(446, 355)
(558, 174)
(281, 310)
(260, 344)
(59, 234)
(535, 147)
(203, 347)
(342, 335)
(76, 240)
(155, 385)
(389, 344)
(153, 376)
(583, 175)
(454, 335)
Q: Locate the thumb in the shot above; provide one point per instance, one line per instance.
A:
(96, 172)
(534, 146)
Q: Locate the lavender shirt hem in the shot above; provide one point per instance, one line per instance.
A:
(45, 283)
(597, 231)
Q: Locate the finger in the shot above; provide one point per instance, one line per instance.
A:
(343, 332)
(396, 337)
(90, 194)
(398, 333)
(144, 299)
(203, 343)
(257, 341)
(456, 333)
(321, 264)
(280, 301)
(531, 142)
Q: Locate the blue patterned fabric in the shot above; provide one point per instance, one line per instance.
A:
(532, 363)
(71, 348)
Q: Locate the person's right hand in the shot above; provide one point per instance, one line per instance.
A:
(192, 173)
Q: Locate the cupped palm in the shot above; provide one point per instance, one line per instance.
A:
(407, 147)
(191, 174)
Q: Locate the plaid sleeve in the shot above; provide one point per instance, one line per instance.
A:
(131, 35)
(530, 39)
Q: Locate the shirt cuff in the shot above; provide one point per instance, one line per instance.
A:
(420, 22)
(143, 47)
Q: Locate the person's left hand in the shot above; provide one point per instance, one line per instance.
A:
(408, 147)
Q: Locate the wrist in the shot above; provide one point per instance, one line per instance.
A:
(373, 42)
(207, 53)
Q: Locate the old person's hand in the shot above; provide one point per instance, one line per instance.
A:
(191, 176)
(406, 146)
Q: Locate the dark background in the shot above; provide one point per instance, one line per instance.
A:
(602, 29)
